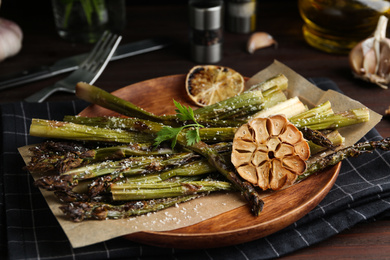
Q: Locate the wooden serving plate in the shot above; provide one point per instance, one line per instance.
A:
(237, 226)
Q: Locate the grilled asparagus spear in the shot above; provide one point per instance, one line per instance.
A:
(351, 151)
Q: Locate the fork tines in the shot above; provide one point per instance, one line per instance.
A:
(101, 50)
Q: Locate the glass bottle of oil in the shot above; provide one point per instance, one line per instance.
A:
(336, 26)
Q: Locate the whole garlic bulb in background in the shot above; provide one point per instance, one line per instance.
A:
(10, 38)
(370, 59)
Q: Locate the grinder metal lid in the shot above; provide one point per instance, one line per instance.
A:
(206, 15)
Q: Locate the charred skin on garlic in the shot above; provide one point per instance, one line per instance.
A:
(269, 152)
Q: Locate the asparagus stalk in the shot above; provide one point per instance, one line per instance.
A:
(351, 151)
(71, 131)
(227, 108)
(334, 121)
(135, 124)
(290, 107)
(195, 168)
(210, 134)
(132, 166)
(243, 105)
(102, 98)
(131, 124)
(159, 190)
(217, 134)
(236, 106)
(118, 152)
(273, 96)
(279, 80)
(320, 110)
(79, 211)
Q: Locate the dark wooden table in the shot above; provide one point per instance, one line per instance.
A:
(42, 46)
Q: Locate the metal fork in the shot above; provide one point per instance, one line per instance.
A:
(88, 71)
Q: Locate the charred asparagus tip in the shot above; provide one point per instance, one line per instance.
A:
(56, 182)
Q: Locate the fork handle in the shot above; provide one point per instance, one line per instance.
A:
(42, 94)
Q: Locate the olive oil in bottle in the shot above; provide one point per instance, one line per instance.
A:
(336, 26)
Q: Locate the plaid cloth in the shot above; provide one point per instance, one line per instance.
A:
(30, 231)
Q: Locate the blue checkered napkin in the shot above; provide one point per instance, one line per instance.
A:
(30, 231)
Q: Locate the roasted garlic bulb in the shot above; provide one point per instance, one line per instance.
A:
(269, 152)
(370, 59)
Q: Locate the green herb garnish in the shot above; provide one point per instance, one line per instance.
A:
(171, 133)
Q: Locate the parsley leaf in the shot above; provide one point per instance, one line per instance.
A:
(171, 133)
(167, 133)
(193, 136)
(184, 113)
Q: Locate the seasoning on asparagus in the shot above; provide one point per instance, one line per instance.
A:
(241, 106)
(121, 192)
(71, 131)
(60, 157)
(334, 121)
(79, 211)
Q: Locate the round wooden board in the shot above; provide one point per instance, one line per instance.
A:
(237, 226)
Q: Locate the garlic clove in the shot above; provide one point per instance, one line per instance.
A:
(370, 60)
(259, 40)
(356, 62)
(384, 60)
(10, 39)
